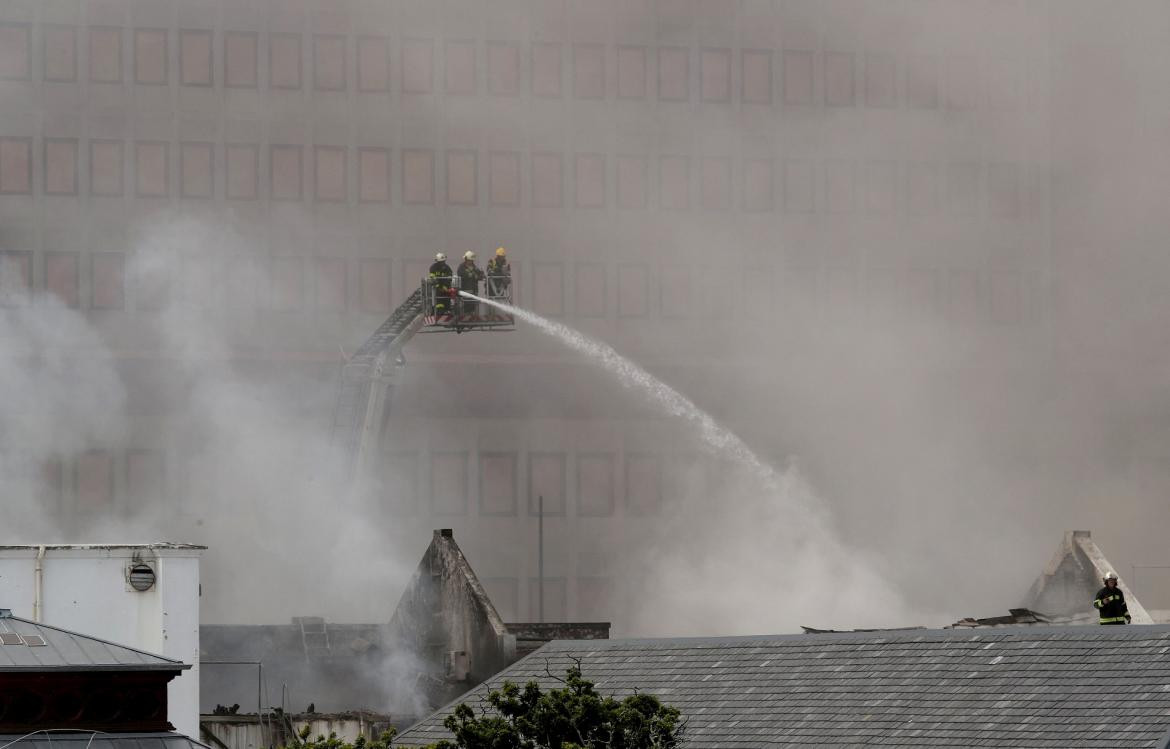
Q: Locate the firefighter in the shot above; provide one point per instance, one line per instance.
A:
(440, 276)
(499, 273)
(469, 277)
(1110, 602)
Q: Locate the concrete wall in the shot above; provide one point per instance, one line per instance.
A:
(85, 589)
(252, 732)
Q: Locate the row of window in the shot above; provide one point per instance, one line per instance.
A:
(584, 289)
(92, 481)
(593, 598)
(598, 181)
(834, 78)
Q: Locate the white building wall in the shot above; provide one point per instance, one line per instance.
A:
(85, 589)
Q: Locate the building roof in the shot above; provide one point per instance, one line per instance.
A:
(156, 545)
(1013, 687)
(31, 646)
(99, 740)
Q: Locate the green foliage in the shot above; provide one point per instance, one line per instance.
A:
(384, 741)
(572, 717)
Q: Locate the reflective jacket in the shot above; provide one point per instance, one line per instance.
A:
(469, 277)
(498, 266)
(1110, 603)
(441, 273)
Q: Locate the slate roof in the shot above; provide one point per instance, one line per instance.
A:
(1013, 687)
(99, 740)
(69, 651)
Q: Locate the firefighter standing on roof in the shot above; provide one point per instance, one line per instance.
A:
(440, 277)
(1110, 602)
(499, 273)
(469, 278)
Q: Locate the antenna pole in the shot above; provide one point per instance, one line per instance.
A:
(540, 556)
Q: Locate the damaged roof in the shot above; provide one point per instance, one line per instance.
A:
(1031, 687)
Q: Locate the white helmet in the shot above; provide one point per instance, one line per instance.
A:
(1111, 575)
(469, 255)
(440, 257)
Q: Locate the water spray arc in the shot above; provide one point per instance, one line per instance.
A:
(717, 438)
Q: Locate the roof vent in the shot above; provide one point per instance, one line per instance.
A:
(5, 613)
(140, 576)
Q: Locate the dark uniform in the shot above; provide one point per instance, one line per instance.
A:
(469, 278)
(500, 274)
(440, 275)
(1110, 603)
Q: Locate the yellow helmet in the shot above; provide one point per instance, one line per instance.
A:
(501, 252)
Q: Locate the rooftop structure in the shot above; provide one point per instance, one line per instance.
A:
(1016, 687)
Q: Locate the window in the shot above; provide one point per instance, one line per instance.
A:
(105, 54)
(631, 182)
(962, 82)
(590, 289)
(595, 479)
(922, 82)
(329, 63)
(60, 166)
(462, 175)
(417, 66)
(715, 184)
(840, 177)
(60, 53)
(374, 286)
(881, 88)
(673, 74)
(195, 58)
(15, 166)
(284, 61)
(757, 185)
(150, 169)
(330, 282)
(546, 70)
(715, 75)
(109, 280)
(105, 167)
(243, 168)
(963, 188)
(757, 76)
(589, 173)
(643, 483)
(196, 170)
(546, 180)
(1007, 297)
(633, 290)
(330, 173)
(504, 593)
(799, 186)
(15, 278)
(838, 79)
(418, 177)
(798, 77)
(589, 71)
(922, 189)
(373, 64)
(497, 483)
(546, 478)
(150, 56)
(240, 56)
(503, 62)
(674, 183)
(449, 483)
(287, 283)
(674, 286)
(374, 175)
(631, 72)
(881, 182)
(548, 288)
(504, 178)
(285, 172)
(555, 607)
(593, 599)
(460, 68)
(95, 480)
(61, 276)
(15, 51)
(152, 283)
(145, 476)
(400, 482)
(1003, 191)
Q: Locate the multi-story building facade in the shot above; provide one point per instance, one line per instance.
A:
(692, 180)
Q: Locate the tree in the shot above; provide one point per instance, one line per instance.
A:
(572, 717)
(382, 742)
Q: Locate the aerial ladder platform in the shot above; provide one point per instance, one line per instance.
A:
(362, 408)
